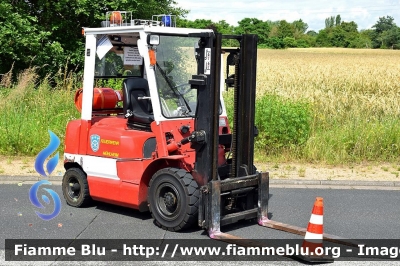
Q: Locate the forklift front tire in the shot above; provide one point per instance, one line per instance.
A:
(173, 198)
(75, 187)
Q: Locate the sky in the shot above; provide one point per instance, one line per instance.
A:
(365, 13)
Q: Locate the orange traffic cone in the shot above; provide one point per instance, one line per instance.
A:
(315, 230)
(313, 239)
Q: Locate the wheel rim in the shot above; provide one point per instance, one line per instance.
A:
(74, 188)
(168, 201)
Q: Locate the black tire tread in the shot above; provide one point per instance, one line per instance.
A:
(86, 200)
(192, 198)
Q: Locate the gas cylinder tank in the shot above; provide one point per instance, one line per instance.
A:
(103, 98)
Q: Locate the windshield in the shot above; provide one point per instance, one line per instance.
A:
(176, 63)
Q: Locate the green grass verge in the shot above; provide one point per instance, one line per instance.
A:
(289, 129)
(28, 110)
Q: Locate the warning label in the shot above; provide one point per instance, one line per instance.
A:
(132, 56)
(207, 61)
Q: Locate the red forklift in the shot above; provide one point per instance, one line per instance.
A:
(160, 141)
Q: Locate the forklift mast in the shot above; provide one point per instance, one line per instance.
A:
(225, 200)
(207, 115)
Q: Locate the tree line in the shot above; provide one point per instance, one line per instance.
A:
(280, 34)
(48, 34)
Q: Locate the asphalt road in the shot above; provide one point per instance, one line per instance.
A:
(357, 214)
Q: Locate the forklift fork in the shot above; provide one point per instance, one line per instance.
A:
(211, 199)
(263, 219)
(212, 202)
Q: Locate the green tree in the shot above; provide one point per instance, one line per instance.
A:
(385, 33)
(350, 32)
(340, 35)
(197, 24)
(255, 26)
(224, 27)
(337, 37)
(338, 20)
(306, 41)
(274, 31)
(221, 26)
(349, 27)
(48, 33)
(322, 39)
(391, 38)
(21, 40)
(360, 42)
(275, 42)
(285, 29)
(312, 33)
(329, 22)
(366, 37)
(289, 42)
(333, 21)
(300, 26)
(384, 24)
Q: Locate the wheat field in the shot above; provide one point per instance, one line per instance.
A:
(337, 81)
(354, 93)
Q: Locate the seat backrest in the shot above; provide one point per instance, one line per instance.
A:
(141, 109)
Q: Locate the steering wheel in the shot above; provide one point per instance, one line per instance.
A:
(184, 91)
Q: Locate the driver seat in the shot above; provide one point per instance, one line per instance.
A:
(138, 111)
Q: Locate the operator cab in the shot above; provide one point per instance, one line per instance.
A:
(151, 62)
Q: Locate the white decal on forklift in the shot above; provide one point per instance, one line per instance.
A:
(95, 166)
(100, 167)
(222, 122)
(132, 56)
(207, 61)
(94, 142)
(101, 175)
(103, 46)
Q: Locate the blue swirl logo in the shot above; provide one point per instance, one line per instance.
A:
(51, 165)
(46, 152)
(35, 201)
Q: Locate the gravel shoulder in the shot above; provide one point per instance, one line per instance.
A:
(323, 172)
(24, 166)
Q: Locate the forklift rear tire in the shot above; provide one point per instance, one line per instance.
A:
(75, 188)
(173, 198)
